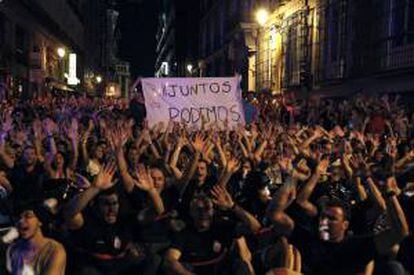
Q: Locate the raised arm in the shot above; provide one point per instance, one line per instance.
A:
(174, 158)
(243, 147)
(362, 193)
(38, 137)
(173, 265)
(84, 144)
(259, 151)
(72, 212)
(399, 226)
(315, 136)
(390, 129)
(347, 166)
(6, 158)
(146, 183)
(50, 128)
(118, 139)
(6, 127)
(404, 160)
(223, 199)
(280, 202)
(305, 193)
(149, 142)
(73, 135)
(198, 146)
(232, 166)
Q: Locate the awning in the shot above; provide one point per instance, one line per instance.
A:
(54, 84)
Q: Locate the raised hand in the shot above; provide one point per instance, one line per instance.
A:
(221, 197)
(318, 133)
(388, 123)
(7, 124)
(73, 129)
(147, 136)
(102, 125)
(285, 165)
(91, 125)
(37, 129)
(338, 131)
(254, 131)
(145, 181)
(375, 141)
(49, 126)
(80, 182)
(104, 178)
(21, 136)
(226, 124)
(233, 164)
(410, 154)
(302, 166)
(182, 140)
(198, 143)
(322, 166)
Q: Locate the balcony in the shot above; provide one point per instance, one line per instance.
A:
(398, 58)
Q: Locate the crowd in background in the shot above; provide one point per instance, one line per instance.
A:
(317, 186)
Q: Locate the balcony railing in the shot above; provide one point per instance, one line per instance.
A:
(398, 58)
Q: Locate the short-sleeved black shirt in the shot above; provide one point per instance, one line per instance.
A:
(98, 237)
(27, 186)
(206, 252)
(319, 257)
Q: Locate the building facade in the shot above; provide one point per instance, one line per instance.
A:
(228, 38)
(30, 34)
(61, 44)
(177, 38)
(332, 47)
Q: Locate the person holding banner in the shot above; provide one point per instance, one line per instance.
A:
(251, 111)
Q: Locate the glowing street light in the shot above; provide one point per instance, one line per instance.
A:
(61, 52)
(98, 79)
(262, 15)
(190, 68)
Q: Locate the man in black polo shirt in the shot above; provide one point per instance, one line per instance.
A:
(203, 247)
(27, 178)
(332, 251)
(102, 237)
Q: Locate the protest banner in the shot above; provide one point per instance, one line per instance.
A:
(190, 100)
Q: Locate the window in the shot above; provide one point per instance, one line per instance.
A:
(292, 56)
(335, 38)
(2, 29)
(292, 50)
(221, 23)
(402, 22)
(21, 44)
(333, 32)
(410, 23)
(398, 22)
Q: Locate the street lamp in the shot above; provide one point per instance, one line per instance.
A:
(98, 79)
(61, 52)
(190, 68)
(261, 16)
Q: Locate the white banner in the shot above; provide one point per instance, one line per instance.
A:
(189, 99)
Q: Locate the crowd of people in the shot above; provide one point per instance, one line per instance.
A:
(305, 187)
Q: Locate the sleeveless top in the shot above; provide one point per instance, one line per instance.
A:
(17, 265)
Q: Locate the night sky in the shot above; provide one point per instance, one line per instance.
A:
(138, 25)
